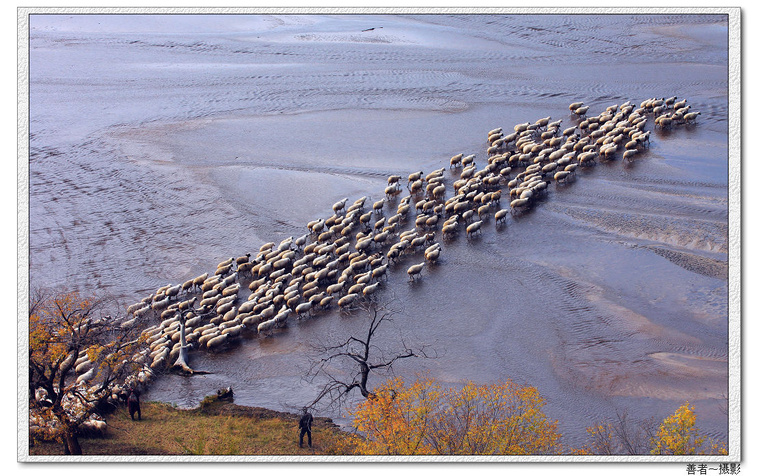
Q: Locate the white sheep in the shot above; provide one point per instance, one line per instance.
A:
(378, 206)
(230, 290)
(664, 121)
(230, 315)
(225, 263)
(347, 300)
(468, 161)
(222, 270)
(209, 283)
(315, 226)
(217, 342)
(160, 305)
(233, 331)
(521, 127)
(549, 168)
(301, 241)
(473, 228)
(575, 105)
(392, 190)
(415, 270)
(432, 255)
(415, 176)
(357, 205)
(303, 308)
(339, 206)
(356, 288)
(245, 269)
(449, 229)
(431, 222)
(251, 321)
(500, 215)
(435, 174)
(370, 289)
(378, 272)
(416, 187)
(691, 116)
(92, 428)
(266, 325)
(561, 176)
(587, 158)
(87, 376)
(483, 211)
(520, 203)
(207, 335)
(136, 307)
(335, 288)
(540, 123)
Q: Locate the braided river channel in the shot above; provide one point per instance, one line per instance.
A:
(161, 145)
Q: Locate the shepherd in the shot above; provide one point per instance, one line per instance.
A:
(132, 404)
(305, 426)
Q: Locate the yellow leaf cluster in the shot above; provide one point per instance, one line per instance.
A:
(678, 435)
(52, 325)
(60, 327)
(422, 418)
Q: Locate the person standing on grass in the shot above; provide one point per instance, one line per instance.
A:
(305, 427)
(132, 404)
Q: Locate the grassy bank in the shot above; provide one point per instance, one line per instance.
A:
(214, 428)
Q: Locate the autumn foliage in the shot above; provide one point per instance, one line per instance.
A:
(423, 418)
(678, 435)
(674, 435)
(64, 328)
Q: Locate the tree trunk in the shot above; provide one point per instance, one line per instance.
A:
(181, 361)
(71, 444)
(364, 380)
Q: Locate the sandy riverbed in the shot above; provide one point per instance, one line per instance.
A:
(161, 146)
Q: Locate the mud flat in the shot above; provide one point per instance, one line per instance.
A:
(211, 136)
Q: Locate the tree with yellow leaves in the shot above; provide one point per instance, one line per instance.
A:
(678, 435)
(63, 330)
(425, 419)
(675, 435)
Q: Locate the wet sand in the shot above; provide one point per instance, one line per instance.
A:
(611, 294)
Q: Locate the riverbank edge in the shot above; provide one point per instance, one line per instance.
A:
(278, 432)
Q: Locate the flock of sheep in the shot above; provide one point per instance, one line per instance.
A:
(344, 259)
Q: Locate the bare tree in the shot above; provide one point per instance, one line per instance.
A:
(347, 365)
(633, 440)
(622, 436)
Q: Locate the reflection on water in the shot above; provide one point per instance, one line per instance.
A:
(156, 155)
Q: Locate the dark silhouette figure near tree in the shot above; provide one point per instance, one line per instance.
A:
(132, 404)
(306, 420)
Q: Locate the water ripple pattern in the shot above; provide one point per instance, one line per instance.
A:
(161, 146)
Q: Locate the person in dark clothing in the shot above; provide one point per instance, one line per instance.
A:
(305, 427)
(132, 403)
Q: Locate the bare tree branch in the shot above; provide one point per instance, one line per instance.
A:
(347, 365)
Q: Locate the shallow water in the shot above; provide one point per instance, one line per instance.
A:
(163, 145)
